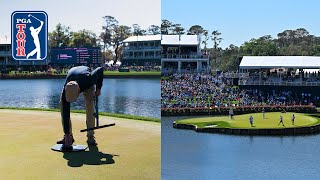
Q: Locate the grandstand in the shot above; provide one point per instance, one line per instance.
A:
(280, 70)
(270, 82)
(182, 54)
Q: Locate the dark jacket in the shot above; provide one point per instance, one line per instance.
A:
(85, 80)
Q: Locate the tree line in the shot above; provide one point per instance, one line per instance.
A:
(298, 42)
(109, 40)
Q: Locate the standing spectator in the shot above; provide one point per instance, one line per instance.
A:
(281, 121)
(251, 120)
(292, 119)
(231, 113)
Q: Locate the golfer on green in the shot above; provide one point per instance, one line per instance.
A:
(80, 79)
(251, 120)
(231, 113)
(281, 121)
(292, 119)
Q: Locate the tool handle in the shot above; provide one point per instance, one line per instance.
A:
(97, 112)
(98, 127)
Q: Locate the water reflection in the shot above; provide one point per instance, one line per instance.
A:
(129, 96)
(187, 154)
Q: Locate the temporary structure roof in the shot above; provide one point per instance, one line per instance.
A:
(179, 40)
(143, 38)
(258, 62)
(166, 39)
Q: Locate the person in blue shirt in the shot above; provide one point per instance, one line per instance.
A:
(251, 120)
(80, 80)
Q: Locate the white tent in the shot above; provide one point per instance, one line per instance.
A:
(301, 62)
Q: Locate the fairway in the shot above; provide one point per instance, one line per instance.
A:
(271, 121)
(129, 150)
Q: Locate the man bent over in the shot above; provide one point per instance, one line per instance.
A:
(80, 79)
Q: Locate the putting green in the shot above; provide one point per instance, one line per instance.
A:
(129, 150)
(271, 121)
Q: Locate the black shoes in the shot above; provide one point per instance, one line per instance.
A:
(91, 141)
(62, 140)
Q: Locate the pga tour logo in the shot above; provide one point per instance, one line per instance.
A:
(29, 35)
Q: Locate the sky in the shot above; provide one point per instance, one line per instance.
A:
(242, 20)
(83, 14)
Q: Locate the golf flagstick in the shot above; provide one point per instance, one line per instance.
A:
(96, 115)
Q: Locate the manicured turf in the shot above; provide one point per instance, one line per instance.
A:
(128, 150)
(271, 120)
(124, 116)
(143, 73)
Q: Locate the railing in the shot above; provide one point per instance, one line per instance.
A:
(172, 71)
(5, 52)
(10, 63)
(235, 75)
(236, 110)
(141, 57)
(185, 56)
(283, 83)
(129, 48)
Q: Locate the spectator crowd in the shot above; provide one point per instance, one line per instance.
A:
(205, 90)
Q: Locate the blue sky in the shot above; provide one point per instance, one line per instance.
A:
(242, 20)
(84, 14)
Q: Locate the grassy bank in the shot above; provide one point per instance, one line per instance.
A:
(125, 116)
(242, 121)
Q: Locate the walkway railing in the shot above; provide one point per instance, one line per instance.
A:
(128, 48)
(235, 75)
(283, 83)
(237, 110)
(189, 56)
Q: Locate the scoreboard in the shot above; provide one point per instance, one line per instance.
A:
(73, 55)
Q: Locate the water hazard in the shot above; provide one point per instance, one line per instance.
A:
(126, 96)
(187, 154)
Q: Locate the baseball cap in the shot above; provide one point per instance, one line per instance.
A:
(72, 91)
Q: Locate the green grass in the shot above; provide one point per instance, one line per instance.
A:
(125, 116)
(242, 121)
(143, 73)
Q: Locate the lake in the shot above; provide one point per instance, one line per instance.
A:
(125, 96)
(190, 155)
